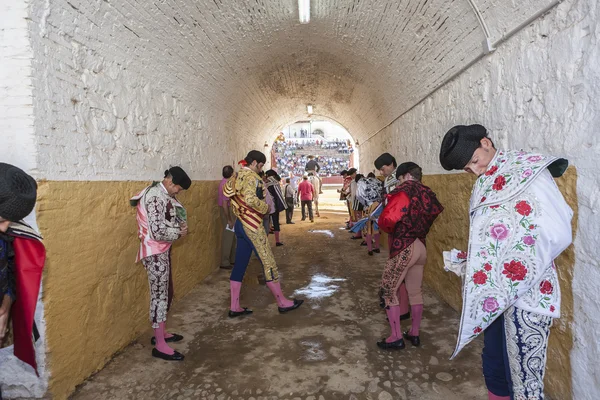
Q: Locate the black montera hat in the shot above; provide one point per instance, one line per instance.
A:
(18, 192)
(459, 144)
(384, 159)
(179, 177)
(405, 168)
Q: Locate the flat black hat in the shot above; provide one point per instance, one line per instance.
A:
(459, 144)
(179, 177)
(384, 159)
(405, 168)
(256, 155)
(18, 192)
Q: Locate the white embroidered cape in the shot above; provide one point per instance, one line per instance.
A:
(519, 224)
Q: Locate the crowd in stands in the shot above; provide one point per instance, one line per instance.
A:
(291, 147)
(332, 156)
(295, 164)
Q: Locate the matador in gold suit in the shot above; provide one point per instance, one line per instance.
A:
(247, 193)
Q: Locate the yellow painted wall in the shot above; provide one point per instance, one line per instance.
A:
(451, 230)
(95, 296)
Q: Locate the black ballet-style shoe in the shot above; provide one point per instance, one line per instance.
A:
(404, 317)
(177, 356)
(412, 339)
(397, 345)
(297, 303)
(172, 339)
(233, 314)
(377, 251)
(370, 253)
(278, 244)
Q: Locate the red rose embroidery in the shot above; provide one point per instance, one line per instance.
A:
(494, 207)
(515, 270)
(523, 208)
(479, 278)
(552, 308)
(491, 171)
(499, 182)
(462, 255)
(483, 199)
(546, 287)
(477, 330)
(531, 227)
(487, 267)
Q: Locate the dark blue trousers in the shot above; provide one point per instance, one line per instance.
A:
(496, 369)
(243, 252)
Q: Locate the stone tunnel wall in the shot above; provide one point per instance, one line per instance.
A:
(537, 91)
(96, 298)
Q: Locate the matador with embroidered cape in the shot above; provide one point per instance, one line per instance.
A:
(520, 223)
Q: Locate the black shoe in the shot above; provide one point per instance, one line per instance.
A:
(177, 356)
(397, 345)
(172, 339)
(370, 253)
(363, 243)
(413, 339)
(356, 238)
(226, 267)
(297, 303)
(278, 244)
(377, 251)
(233, 314)
(404, 317)
(303, 219)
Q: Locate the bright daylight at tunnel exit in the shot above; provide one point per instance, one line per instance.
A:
(299, 199)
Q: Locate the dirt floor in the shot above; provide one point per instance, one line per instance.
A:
(323, 350)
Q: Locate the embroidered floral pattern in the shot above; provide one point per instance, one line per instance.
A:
(499, 183)
(502, 266)
(546, 287)
(515, 270)
(523, 208)
(499, 232)
(492, 170)
(490, 305)
(480, 277)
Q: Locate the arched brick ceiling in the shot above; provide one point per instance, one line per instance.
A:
(254, 67)
(360, 62)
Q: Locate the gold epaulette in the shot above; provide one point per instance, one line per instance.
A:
(229, 187)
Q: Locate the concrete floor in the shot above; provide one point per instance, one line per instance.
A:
(324, 350)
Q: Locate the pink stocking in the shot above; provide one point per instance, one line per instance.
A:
(416, 314)
(276, 290)
(403, 298)
(492, 396)
(393, 314)
(235, 287)
(369, 242)
(161, 345)
(376, 236)
(276, 236)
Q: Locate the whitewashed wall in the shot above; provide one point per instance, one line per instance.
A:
(540, 90)
(108, 110)
(16, 103)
